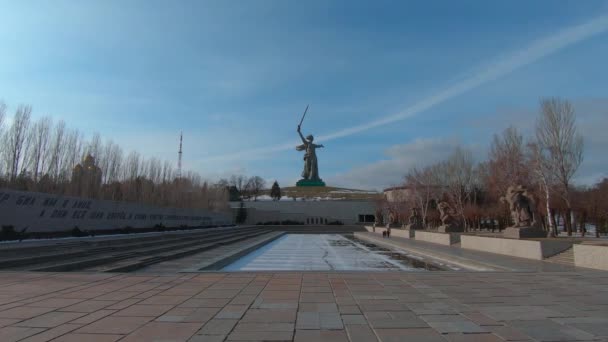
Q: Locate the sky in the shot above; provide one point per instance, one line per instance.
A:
(390, 84)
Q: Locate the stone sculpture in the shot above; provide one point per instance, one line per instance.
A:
(449, 224)
(523, 212)
(310, 173)
(415, 220)
(393, 220)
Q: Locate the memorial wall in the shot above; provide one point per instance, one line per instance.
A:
(40, 212)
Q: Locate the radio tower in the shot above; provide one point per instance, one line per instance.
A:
(179, 157)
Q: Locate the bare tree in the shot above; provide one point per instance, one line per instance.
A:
(239, 181)
(507, 164)
(560, 146)
(425, 187)
(255, 185)
(40, 146)
(56, 150)
(2, 142)
(15, 139)
(458, 180)
(46, 155)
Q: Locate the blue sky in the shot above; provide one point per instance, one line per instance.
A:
(235, 76)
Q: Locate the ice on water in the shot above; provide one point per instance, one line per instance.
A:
(308, 252)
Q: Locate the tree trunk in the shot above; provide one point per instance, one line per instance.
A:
(568, 220)
(552, 227)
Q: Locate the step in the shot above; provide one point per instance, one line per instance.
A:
(141, 263)
(123, 244)
(93, 260)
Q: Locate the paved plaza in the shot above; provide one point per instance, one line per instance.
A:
(305, 306)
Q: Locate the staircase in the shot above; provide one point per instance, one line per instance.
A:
(565, 258)
(121, 254)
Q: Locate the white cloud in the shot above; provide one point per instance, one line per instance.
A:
(592, 121)
(390, 171)
(502, 66)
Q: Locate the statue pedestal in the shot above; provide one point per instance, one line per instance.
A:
(524, 232)
(450, 229)
(414, 226)
(409, 233)
(308, 182)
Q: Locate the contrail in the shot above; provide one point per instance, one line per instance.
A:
(536, 50)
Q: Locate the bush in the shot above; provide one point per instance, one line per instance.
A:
(127, 230)
(76, 232)
(8, 233)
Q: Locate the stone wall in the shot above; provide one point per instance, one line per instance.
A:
(39, 212)
(331, 210)
(591, 256)
(529, 249)
(440, 238)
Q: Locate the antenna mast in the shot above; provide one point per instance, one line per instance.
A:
(179, 157)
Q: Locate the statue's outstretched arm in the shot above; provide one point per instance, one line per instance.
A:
(301, 136)
(320, 146)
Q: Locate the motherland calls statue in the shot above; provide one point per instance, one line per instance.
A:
(523, 212)
(310, 174)
(449, 224)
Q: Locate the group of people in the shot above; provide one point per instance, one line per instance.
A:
(386, 233)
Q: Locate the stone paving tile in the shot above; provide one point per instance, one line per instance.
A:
(8, 321)
(353, 319)
(24, 312)
(218, 327)
(455, 337)
(55, 302)
(175, 300)
(144, 310)
(88, 338)
(114, 325)
(232, 312)
(319, 321)
(401, 335)
(88, 306)
(52, 333)
(320, 336)
(94, 316)
(547, 330)
(523, 312)
(205, 303)
(162, 331)
(10, 334)
(598, 329)
(207, 338)
(50, 319)
(360, 333)
(245, 327)
(192, 315)
(270, 316)
(465, 327)
(394, 320)
(509, 333)
(261, 336)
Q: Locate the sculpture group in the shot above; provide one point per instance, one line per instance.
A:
(522, 208)
(523, 213)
